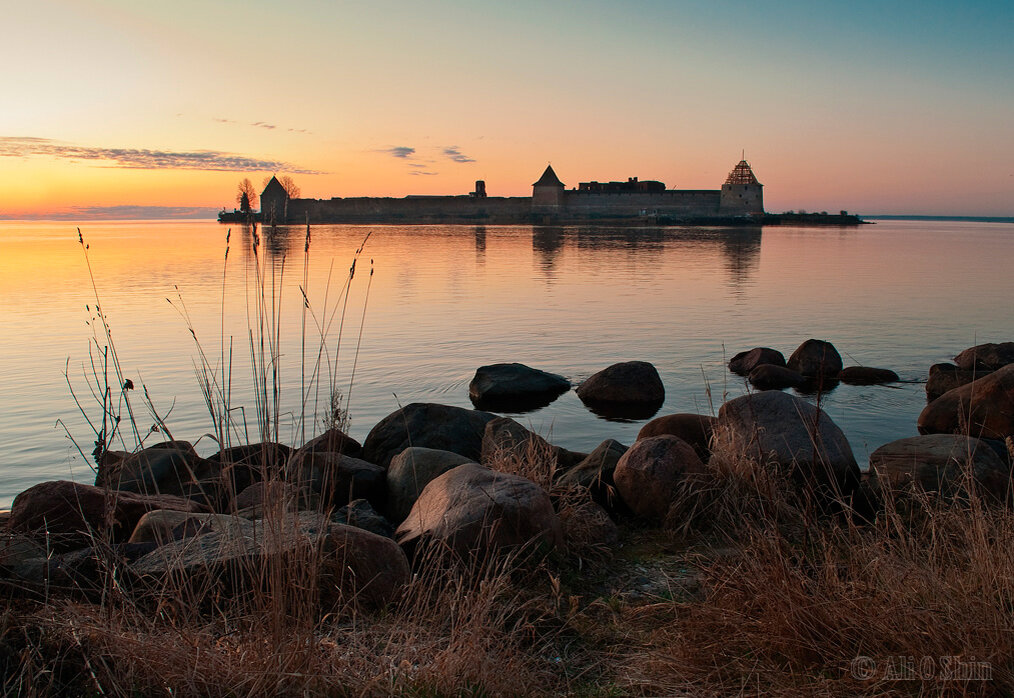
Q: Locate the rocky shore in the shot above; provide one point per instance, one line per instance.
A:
(361, 520)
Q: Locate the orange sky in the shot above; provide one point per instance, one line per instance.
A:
(898, 109)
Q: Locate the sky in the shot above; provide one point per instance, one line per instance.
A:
(137, 108)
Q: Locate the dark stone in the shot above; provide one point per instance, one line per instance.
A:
(595, 473)
(361, 514)
(864, 375)
(695, 429)
(771, 377)
(775, 426)
(652, 471)
(632, 383)
(160, 469)
(506, 438)
(943, 379)
(982, 408)
(265, 494)
(746, 361)
(815, 357)
(333, 441)
(588, 525)
(944, 463)
(428, 425)
(410, 471)
(514, 388)
(472, 509)
(336, 479)
(986, 357)
(70, 513)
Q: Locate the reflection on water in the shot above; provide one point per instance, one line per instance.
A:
(447, 299)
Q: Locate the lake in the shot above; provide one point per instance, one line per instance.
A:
(443, 300)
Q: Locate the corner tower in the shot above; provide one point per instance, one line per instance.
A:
(547, 193)
(742, 194)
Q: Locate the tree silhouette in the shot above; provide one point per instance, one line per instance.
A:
(290, 186)
(246, 195)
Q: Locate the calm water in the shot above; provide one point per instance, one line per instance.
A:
(446, 299)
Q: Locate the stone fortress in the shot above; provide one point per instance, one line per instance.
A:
(740, 199)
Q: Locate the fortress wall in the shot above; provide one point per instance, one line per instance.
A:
(678, 202)
(432, 207)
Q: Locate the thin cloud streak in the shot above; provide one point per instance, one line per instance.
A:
(142, 158)
(402, 152)
(454, 153)
(119, 213)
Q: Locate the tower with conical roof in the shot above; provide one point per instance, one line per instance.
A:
(547, 193)
(274, 202)
(742, 194)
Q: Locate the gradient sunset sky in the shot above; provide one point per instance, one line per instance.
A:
(874, 107)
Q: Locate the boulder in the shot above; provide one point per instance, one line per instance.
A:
(771, 377)
(773, 426)
(595, 473)
(410, 471)
(428, 425)
(986, 357)
(472, 509)
(514, 388)
(629, 390)
(695, 429)
(242, 466)
(815, 357)
(944, 377)
(23, 560)
(162, 525)
(361, 514)
(69, 513)
(984, 407)
(265, 495)
(348, 563)
(333, 441)
(746, 361)
(941, 463)
(334, 479)
(172, 468)
(652, 472)
(506, 438)
(865, 375)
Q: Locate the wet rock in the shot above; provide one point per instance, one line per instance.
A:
(631, 390)
(335, 479)
(982, 408)
(427, 425)
(746, 361)
(514, 387)
(944, 463)
(986, 357)
(773, 426)
(695, 429)
(771, 377)
(472, 509)
(652, 471)
(816, 357)
(595, 473)
(69, 513)
(944, 377)
(865, 375)
(410, 471)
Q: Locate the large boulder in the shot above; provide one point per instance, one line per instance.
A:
(333, 440)
(816, 358)
(506, 438)
(410, 471)
(70, 513)
(772, 377)
(944, 377)
(171, 468)
(361, 514)
(335, 479)
(944, 463)
(242, 466)
(984, 407)
(163, 525)
(595, 473)
(428, 425)
(472, 509)
(865, 375)
(773, 426)
(514, 387)
(986, 357)
(695, 429)
(746, 361)
(347, 563)
(631, 390)
(652, 471)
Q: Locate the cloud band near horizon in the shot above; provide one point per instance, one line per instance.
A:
(142, 158)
